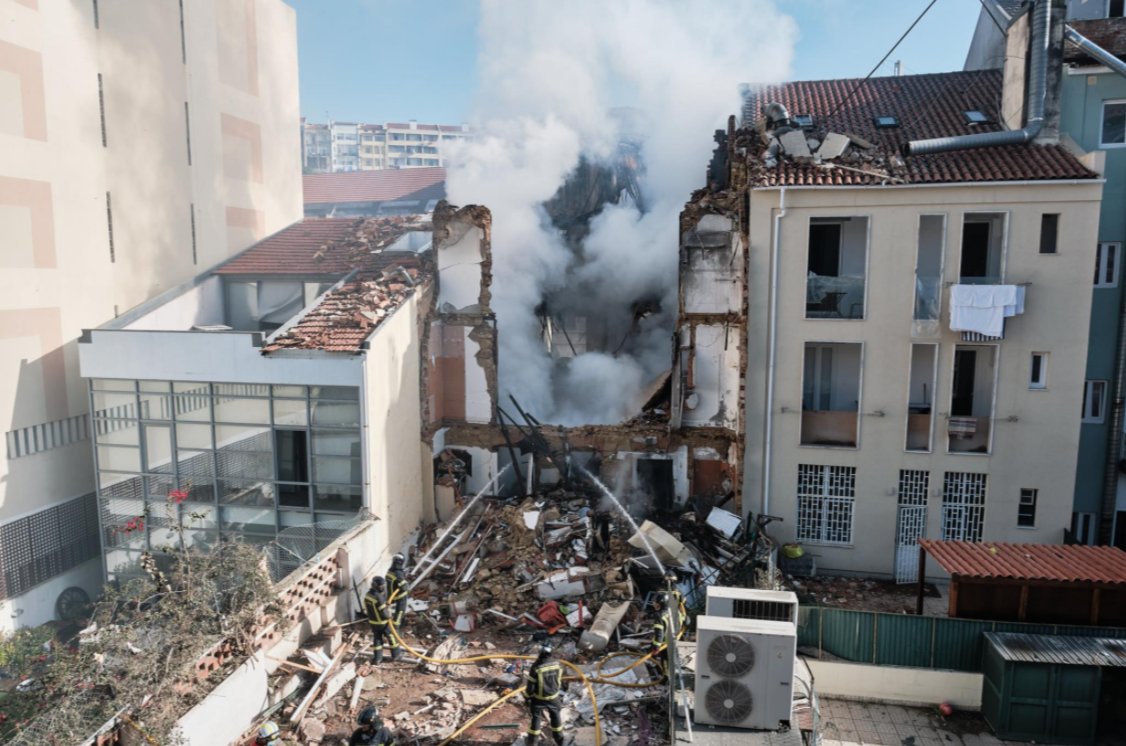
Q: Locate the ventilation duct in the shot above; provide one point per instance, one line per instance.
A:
(1095, 51)
(1037, 87)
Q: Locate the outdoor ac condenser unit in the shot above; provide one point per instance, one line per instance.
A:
(744, 672)
(747, 603)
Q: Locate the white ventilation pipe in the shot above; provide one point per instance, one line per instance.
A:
(1037, 88)
(773, 349)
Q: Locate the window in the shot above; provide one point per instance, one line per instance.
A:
(963, 506)
(831, 395)
(983, 248)
(920, 396)
(928, 276)
(1083, 528)
(1106, 265)
(1112, 134)
(1115, 9)
(886, 122)
(805, 121)
(1026, 511)
(826, 495)
(1094, 402)
(970, 424)
(975, 117)
(1038, 375)
(836, 268)
(1049, 233)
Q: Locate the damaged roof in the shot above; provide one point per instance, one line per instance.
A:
(347, 316)
(1108, 33)
(376, 186)
(923, 107)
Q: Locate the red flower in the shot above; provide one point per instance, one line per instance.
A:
(178, 495)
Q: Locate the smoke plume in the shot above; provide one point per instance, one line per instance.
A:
(550, 74)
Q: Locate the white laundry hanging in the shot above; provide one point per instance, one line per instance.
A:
(983, 308)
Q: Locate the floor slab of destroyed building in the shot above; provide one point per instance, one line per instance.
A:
(849, 723)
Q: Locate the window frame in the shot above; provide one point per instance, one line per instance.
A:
(1028, 499)
(1056, 234)
(934, 387)
(1101, 262)
(993, 405)
(827, 220)
(1033, 383)
(859, 400)
(1088, 387)
(1005, 226)
(1110, 7)
(1103, 144)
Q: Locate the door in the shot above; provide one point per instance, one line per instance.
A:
(654, 477)
(962, 392)
(911, 523)
(825, 249)
(975, 250)
(963, 506)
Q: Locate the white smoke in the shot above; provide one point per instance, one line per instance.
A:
(550, 73)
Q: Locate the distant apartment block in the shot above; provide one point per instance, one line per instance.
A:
(346, 146)
(136, 149)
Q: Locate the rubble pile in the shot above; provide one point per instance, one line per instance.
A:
(371, 236)
(768, 148)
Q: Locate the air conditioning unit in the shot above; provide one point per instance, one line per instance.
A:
(747, 603)
(744, 672)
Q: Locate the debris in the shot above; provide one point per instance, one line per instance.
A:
(477, 697)
(312, 731)
(595, 639)
(833, 146)
(724, 521)
(336, 682)
(357, 688)
(668, 549)
(794, 144)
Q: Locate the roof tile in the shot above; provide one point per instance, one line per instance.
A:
(376, 186)
(1073, 563)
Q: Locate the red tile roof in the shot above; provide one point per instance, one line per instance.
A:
(376, 186)
(926, 106)
(344, 320)
(989, 560)
(319, 246)
(1108, 33)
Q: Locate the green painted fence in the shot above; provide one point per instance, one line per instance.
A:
(917, 641)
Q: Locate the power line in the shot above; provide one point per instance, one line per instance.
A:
(882, 61)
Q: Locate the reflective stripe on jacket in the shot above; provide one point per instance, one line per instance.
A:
(545, 682)
(396, 587)
(376, 609)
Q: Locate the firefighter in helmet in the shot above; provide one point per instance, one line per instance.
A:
(371, 732)
(544, 692)
(269, 735)
(378, 614)
(397, 589)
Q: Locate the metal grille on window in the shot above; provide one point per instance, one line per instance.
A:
(826, 495)
(911, 523)
(41, 546)
(963, 506)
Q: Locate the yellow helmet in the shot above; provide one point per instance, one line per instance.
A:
(268, 732)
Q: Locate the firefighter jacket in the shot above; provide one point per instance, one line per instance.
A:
(380, 736)
(663, 626)
(396, 588)
(545, 681)
(375, 606)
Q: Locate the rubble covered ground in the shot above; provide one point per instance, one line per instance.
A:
(510, 574)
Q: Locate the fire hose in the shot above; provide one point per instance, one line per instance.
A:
(579, 677)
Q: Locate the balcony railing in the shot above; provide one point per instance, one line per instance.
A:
(968, 434)
(828, 428)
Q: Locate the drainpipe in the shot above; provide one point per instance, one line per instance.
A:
(773, 347)
(1114, 439)
(1037, 87)
(1094, 50)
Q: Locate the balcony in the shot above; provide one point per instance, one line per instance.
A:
(831, 395)
(968, 434)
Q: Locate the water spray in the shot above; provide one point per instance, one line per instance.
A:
(462, 515)
(636, 530)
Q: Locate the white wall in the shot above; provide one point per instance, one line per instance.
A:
(712, 282)
(895, 684)
(459, 267)
(201, 305)
(396, 464)
(209, 356)
(716, 377)
(37, 606)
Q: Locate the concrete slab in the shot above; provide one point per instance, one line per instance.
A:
(795, 145)
(833, 146)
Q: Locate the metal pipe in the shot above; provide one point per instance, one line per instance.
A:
(1037, 88)
(1094, 50)
(1114, 437)
(776, 112)
(773, 349)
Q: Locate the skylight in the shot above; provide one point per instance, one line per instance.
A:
(804, 120)
(975, 117)
(886, 121)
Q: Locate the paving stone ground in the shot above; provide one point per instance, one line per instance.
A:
(847, 723)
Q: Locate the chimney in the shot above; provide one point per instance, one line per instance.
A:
(898, 68)
(414, 124)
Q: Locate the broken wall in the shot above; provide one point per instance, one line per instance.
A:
(460, 333)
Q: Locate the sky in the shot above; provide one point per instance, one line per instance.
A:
(389, 60)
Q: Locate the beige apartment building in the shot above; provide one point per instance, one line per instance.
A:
(140, 143)
(886, 407)
(346, 146)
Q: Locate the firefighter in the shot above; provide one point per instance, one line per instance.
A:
(269, 735)
(375, 605)
(397, 590)
(543, 691)
(662, 629)
(371, 732)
